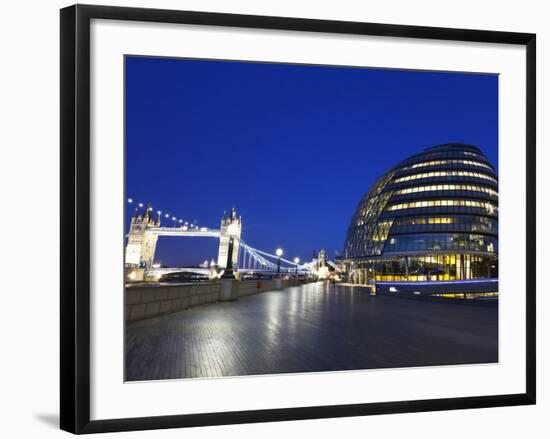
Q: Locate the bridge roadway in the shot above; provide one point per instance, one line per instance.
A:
(184, 231)
(315, 327)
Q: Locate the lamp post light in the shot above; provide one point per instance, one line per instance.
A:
(228, 272)
(296, 261)
(131, 201)
(279, 253)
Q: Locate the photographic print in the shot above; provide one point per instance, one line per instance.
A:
(293, 218)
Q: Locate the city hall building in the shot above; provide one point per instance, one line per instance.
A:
(429, 226)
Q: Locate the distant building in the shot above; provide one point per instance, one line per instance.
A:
(431, 218)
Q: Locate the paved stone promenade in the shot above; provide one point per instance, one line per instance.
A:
(314, 327)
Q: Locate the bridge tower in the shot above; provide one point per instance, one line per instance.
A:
(141, 245)
(322, 259)
(322, 266)
(224, 238)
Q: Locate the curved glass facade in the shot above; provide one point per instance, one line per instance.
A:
(434, 216)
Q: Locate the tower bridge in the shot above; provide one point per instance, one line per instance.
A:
(145, 230)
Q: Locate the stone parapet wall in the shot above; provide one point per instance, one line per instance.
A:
(258, 286)
(144, 301)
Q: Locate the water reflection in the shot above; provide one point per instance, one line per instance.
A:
(315, 327)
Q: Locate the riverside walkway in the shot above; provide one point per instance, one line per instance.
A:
(310, 328)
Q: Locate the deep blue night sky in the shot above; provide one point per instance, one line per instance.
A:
(293, 148)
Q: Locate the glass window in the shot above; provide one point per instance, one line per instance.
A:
(445, 174)
(447, 187)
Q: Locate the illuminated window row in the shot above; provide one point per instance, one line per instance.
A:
(473, 154)
(441, 241)
(445, 174)
(436, 203)
(448, 220)
(436, 220)
(425, 268)
(442, 155)
(447, 187)
(448, 162)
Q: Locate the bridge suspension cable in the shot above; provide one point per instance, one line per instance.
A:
(256, 257)
(163, 215)
(260, 257)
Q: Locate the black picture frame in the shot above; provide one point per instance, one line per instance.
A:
(75, 217)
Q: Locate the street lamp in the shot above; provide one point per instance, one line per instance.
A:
(279, 253)
(232, 232)
(296, 261)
